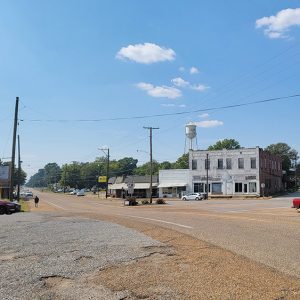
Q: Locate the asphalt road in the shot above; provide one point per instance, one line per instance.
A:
(265, 231)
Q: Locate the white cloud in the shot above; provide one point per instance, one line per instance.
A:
(181, 69)
(205, 115)
(146, 53)
(199, 87)
(194, 70)
(160, 91)
(180, 82)
(182, 105)
(277, 26)
(168, 105)
(208, 123)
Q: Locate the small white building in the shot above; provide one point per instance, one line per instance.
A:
(173, 183)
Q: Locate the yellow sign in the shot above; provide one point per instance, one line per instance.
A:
(102, 179)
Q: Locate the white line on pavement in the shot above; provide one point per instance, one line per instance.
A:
(157, 220)
(54, 204)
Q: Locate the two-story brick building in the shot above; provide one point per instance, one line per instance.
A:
(246, 171)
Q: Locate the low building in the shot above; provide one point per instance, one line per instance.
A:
(118, 186)
(173, 183)
(4, 181)
(246, 171)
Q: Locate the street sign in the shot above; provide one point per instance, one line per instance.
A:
(130, 186)
(102, 179)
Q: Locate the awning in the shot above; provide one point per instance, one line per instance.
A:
(172, 184)
(117, 186)
(137, 186)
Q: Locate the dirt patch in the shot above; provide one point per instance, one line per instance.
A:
(193, 269)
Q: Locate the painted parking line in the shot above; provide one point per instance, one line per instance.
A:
(157, 220)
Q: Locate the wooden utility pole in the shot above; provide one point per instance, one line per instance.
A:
(151, 166)
(19, 169)
(107, 169)
(206, 176)
(13, 154)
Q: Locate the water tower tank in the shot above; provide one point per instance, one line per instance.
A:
(190, 131)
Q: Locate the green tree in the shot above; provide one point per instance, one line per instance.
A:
(182, 162)
(287, 154)
(165, 165)
(52, 173)
(23, 176)
(225, 144)
(145, 168)
(126, 166)
(38, 179)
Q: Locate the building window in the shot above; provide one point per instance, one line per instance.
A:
(245, 188)
(198, 187)
(252, 187)
(241, 163)
(216, 188)
(207, 164)
(194, 164)
(238, 187)
(253, 163)
(228, 163)
(220, 163)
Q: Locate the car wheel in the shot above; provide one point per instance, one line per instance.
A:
(184, 199)
(2, 210)
(8, 212)
(197, 199)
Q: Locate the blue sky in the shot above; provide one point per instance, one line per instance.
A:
(92, 60)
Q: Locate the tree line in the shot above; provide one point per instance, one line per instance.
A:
(85, 174)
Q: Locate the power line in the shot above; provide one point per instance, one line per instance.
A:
(169, 114)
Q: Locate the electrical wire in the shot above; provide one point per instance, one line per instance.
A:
(169, 114)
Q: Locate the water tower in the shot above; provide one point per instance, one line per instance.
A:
(191, 134)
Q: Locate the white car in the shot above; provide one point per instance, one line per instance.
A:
(80, 193)
(193, 196)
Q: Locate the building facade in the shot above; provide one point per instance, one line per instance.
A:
(246, 171)
(173, 183)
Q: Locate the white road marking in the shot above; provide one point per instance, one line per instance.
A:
(157, 220)
(54, 204)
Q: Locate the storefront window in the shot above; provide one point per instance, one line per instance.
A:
(252, 187)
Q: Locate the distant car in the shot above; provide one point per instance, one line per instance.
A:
(28, 194)
(193, 196)
(74, 192)
(80, 193)
(7, 207)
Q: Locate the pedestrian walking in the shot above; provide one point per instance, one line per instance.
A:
(36, 201)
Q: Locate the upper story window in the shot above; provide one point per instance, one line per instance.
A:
(253, 162)
(228, 163)
(241, 163)
(207, 164)
(194, 164)
(220, 163)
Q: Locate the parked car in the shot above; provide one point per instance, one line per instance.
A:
(17, 206)
(74, 192)
(193, 196)
(28, 194)
(296, 203)
(80, 193)
(7, 207)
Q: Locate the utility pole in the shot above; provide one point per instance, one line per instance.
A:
(151, 166)
(13, 155)
(19, 169)
(107, 169)
(206, 175)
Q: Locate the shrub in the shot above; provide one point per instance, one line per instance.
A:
(160, 201)
(144, 202)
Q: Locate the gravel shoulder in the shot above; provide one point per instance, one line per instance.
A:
(93, 255)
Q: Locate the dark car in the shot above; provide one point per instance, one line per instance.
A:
(7, 207)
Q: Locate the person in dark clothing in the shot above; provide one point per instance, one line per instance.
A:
(36, 201)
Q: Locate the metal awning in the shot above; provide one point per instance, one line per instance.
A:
(117, 186)
(172, 184)
(137, 186)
